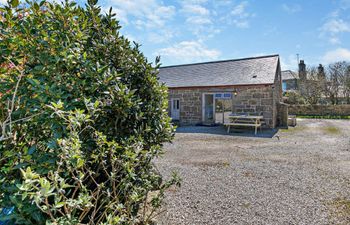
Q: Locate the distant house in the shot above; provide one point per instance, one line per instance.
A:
(289, 80)
(206, 93)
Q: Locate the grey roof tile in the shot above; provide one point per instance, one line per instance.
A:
(288, 75)
(257, 70)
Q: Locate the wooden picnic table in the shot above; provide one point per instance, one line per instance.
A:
(244, 120)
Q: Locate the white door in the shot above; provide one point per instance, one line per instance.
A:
(175, 109)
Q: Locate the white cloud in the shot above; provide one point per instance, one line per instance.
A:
(334, 40)
(195, 13)
(339, 54)
(334, 14)
(241, 23)
(162, 36)
(195, 9)
(187, 52)
(3, 2)
(152, 17)
(205, 19)
(239, 10)
(197, 20)
(146, 13)
(195, 1)
(291, 9)
(131, 38)
(120, 14)
(289, 62)
(239, 15)
(165, 11)
(336, 23)
(335, 26)
(222, 3)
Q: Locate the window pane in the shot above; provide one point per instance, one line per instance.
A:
(284, 86)
(227, 95)
(218, 95)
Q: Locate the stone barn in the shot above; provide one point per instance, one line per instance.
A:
(289, 81)
(206, 93)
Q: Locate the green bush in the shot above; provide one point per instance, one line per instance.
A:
(294, 98)
(323, 117)
(82, 117)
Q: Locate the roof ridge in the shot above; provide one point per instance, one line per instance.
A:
(294, 74)
(288, 71)
(220, 61)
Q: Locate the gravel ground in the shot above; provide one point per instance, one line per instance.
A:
(295, 176)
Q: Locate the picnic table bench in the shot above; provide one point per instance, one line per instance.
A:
(244, 121)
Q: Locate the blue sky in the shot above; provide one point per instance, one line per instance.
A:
(187, 31)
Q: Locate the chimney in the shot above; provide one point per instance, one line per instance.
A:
(302, 70)
(320, 72)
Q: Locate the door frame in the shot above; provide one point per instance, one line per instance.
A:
(172, 108)
(203, 105)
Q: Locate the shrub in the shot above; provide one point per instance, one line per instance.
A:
(82, 117)
(294, 98)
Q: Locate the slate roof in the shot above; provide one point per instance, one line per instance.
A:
(247, 71)
(288, 75)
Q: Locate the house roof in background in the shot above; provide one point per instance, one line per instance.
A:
(246, 71)
(289, 75)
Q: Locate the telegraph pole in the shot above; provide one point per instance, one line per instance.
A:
(297, 58)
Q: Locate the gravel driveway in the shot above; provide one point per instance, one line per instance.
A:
(299, 176)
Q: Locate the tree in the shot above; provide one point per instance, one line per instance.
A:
(336, 80)
(345, 81)
(82, 117)
(294, 98)
(313, 87)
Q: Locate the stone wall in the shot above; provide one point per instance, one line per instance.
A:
(249, 99)
(256, 100)
(282, 115)
(277, 99)
(190, 105)
(319, 110)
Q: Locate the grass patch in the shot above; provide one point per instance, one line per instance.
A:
(324, 117)
(293, 129)
(226, 164)
(341, 208)
(246, 205)
(331, 130)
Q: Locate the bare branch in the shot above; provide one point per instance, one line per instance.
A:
(11, 106)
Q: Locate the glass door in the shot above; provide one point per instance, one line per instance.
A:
(208, 108)
(223, 107)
